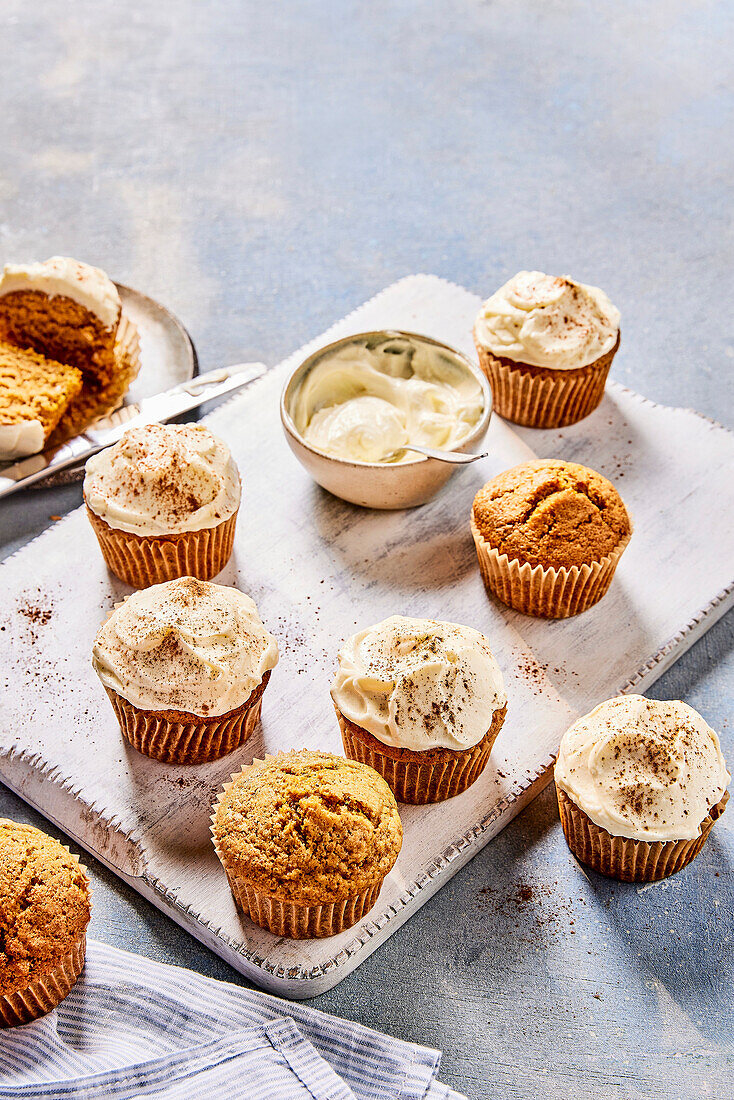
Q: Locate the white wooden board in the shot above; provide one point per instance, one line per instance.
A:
(318, 568)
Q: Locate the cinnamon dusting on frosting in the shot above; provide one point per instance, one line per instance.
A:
(642, 768)
(548, 321)
(163, 479)
(185, 645)
(419, 684)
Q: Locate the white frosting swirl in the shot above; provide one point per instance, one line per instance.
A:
(548, 321)
(185, 645)
(163, 479)
(419, 684)
(366, 399)
(21, 438)
(643, 769)
(62, 276)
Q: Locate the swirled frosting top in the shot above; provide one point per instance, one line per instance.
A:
(163, 479)
(548, 321)
(643, 768)
(185, 645)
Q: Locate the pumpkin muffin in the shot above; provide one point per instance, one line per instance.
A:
(35, 392)
(546, 344)
(422, 702)
(640, 784)
(71, 313)
(549, 535)
(306, 839)
(163, 503)
(44, 912)
(185, 665)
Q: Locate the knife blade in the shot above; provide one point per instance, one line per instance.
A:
(151, 410)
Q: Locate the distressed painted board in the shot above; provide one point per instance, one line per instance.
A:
(318, 568)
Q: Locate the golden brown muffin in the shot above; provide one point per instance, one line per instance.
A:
(44, 913)
(34, 394)
(549, 535)
(306, 839)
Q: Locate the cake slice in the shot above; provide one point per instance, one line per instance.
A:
(67, 311)
(34, 394)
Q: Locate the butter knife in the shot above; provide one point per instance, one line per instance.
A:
(151, 410)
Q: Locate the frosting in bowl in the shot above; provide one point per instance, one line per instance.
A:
(419, 684)
(365, 399)
(163, 479)
(62, 276)
(642, 768)
(548, 321)
(185, 645)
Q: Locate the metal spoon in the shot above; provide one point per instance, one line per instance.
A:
(458, 458)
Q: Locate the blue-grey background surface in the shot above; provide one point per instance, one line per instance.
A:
(262, 168)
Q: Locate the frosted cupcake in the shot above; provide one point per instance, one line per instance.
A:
(306, 839)
(185, 665)
(44, 913)
(546, 344)
(422, 703)
(640, 784)
(163, 503)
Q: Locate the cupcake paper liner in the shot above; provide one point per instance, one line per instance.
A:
(175, 737)
(543, 397)
(144, 560)
(545, 592)
(624, 858)
(301, 922)
(420, 777)
(44, 993)
(284, 916)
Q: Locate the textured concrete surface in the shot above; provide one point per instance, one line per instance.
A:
(262, 169)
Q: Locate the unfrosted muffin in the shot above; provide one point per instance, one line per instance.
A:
(640, 784)
(306, 839)
(185, 665)
(44, 912)
(422, 702)
(549, 535)
(546, 343)
(163, 503)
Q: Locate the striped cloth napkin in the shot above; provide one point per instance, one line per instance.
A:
(132, 1027)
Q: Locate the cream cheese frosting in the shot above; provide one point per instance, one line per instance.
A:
(366, 399)
(185, 645)
(21, 438)
(548, 321)
(419, 684)
(163, 479)
(643, 769)
(88, 286)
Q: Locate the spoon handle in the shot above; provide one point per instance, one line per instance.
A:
(458, 458)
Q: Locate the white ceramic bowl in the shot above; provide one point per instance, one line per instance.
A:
(374, 484)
